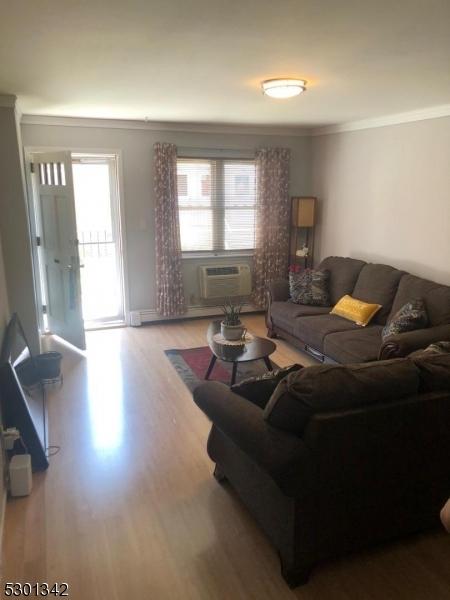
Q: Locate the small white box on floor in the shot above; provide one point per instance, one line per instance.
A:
(20, 477)
(135, 318)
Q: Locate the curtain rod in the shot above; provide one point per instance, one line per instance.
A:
(202, 152)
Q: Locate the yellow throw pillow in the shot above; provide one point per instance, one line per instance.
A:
(355, 310)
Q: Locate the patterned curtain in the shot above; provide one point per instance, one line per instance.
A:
(272, 219)
(169, 281)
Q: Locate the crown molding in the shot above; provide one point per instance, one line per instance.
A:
(434, 112)
(162, 126)
(8, 101)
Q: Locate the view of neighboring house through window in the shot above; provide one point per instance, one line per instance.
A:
(216, 199)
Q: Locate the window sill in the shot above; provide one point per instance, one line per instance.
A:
(209, 255)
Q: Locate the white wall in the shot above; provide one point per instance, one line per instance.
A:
(385, 196)
(4, 310)
(14, 227)
(384, 193)
(136, 147)
(4, 317)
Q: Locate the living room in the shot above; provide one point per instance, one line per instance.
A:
(116, 113)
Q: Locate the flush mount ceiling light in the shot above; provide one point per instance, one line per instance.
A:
(283, 88)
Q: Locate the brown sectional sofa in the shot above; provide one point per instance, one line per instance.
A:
(330, 338)
(338, 457)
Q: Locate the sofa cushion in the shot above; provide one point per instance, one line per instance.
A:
(436, 296)
(310, 287)
(438, 305)
(283, 314)
(410, 287)
(378, 284)
(343, 275)
(434, 371)
(355, 310)
(328, 388)
(313, 330)
(412, 315)
(259, 389)
(362, 345)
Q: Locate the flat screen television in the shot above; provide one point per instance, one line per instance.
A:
(22, 395)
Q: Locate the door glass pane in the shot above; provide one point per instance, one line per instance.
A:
(100, 272)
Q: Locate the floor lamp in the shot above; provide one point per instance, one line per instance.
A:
(303, 221)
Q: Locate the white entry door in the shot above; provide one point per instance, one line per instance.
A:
(59, 245)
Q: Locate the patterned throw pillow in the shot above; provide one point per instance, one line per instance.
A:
(413, 315)
(310, 286)
(436, 348)
(259, 389)
(439, 348)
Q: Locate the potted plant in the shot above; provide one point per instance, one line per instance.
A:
(231, 327)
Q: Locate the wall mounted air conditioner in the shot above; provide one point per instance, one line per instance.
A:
(225, 281)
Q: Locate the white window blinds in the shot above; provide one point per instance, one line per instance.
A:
(216, 200)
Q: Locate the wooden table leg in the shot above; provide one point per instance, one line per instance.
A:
(268, 363)
(233, 374)
(211, 366)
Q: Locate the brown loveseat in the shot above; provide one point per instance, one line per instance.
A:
(339, 458)
(330, 338)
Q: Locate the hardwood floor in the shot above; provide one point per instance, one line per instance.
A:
(129, 507)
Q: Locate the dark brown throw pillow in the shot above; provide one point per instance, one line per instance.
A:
(411, 316)
(259, 389)
(310, 286)
(326, 388)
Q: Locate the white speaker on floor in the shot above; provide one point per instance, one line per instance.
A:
(135, 318)
(20, 477)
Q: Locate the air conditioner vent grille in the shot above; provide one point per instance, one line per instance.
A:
(211, 271)
(225, 281)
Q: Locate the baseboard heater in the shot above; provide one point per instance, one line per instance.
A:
(138, 317)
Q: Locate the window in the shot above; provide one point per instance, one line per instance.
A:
(216, 200)
(182, 184)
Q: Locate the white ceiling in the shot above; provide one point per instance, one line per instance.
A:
(202, 61)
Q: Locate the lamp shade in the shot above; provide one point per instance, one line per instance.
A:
(283, 88)
(304, 216)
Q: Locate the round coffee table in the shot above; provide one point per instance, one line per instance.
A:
(257, 349)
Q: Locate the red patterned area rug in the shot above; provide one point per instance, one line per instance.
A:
(191, 365)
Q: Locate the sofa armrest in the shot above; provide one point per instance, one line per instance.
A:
(276, 452)
(278, 290)
(403, 344)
